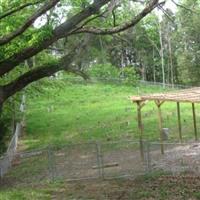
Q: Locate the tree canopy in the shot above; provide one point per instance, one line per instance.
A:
(65, 21)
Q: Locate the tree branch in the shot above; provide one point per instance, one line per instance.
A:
(113, 4)
(165, 13)
(124, 26)
(48, 69)
(28, 23)
(60, 32)
(184, 7)
(56, 49)
(114, 18)
(79, 73)
(88, 21)
(12, 11)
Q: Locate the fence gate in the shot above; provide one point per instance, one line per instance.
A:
(98, 160)
(123, 159)
(75, 162)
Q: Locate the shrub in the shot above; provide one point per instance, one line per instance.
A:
(129, 75)
(106, 71)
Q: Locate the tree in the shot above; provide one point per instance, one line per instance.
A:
(33, 41)
(133, 47)
(188, 51)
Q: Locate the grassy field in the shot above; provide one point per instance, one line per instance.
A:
(81, 112)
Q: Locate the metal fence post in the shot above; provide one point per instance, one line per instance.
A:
(51, 164)
(99, 160)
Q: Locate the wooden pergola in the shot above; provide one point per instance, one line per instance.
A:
(191, 95)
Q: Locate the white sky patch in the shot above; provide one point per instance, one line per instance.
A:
(170, 5)
(41, 21)
(60, 11)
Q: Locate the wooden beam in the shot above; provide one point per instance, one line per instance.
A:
(143, 103)
(194, 121)
(106, 165)
(159, 103)
(179, 122)
(140, 127)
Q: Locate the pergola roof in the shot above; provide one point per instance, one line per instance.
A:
(191, 95)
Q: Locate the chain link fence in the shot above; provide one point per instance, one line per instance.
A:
(122, 81)
(177, 158)
(6, 160)
(103, 161)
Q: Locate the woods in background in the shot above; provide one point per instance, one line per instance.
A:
(161, 49)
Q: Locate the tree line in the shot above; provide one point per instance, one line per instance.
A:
(160, 48)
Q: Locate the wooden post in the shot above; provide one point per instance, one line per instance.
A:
(140, 127)
(194, 121)
(159, 103)
(179, 122)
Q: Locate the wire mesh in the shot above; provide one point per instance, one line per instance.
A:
(29, 167)
(122, 159)
(78, 161)
(177, 158)
(6, 160)
(103, 160)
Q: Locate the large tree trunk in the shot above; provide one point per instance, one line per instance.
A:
(1, 120)
(1, 109)
(1, 101)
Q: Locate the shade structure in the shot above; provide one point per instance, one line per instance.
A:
(191, 95)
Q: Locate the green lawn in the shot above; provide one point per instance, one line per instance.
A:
(80, 112)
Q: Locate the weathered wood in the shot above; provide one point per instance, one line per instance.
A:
(191, 95)
(194, 121)
(179, 122)
(159, 103)
(106, 165)
(142, 104)
(140, 127)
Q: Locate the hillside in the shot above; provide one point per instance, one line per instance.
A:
(80, 112)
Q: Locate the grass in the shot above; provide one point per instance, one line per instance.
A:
(81, 112)
(156, 187)
(24, 194)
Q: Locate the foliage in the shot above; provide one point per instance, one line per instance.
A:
(104, 71)
(188, 51)
(129, 75)
(9, 116)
